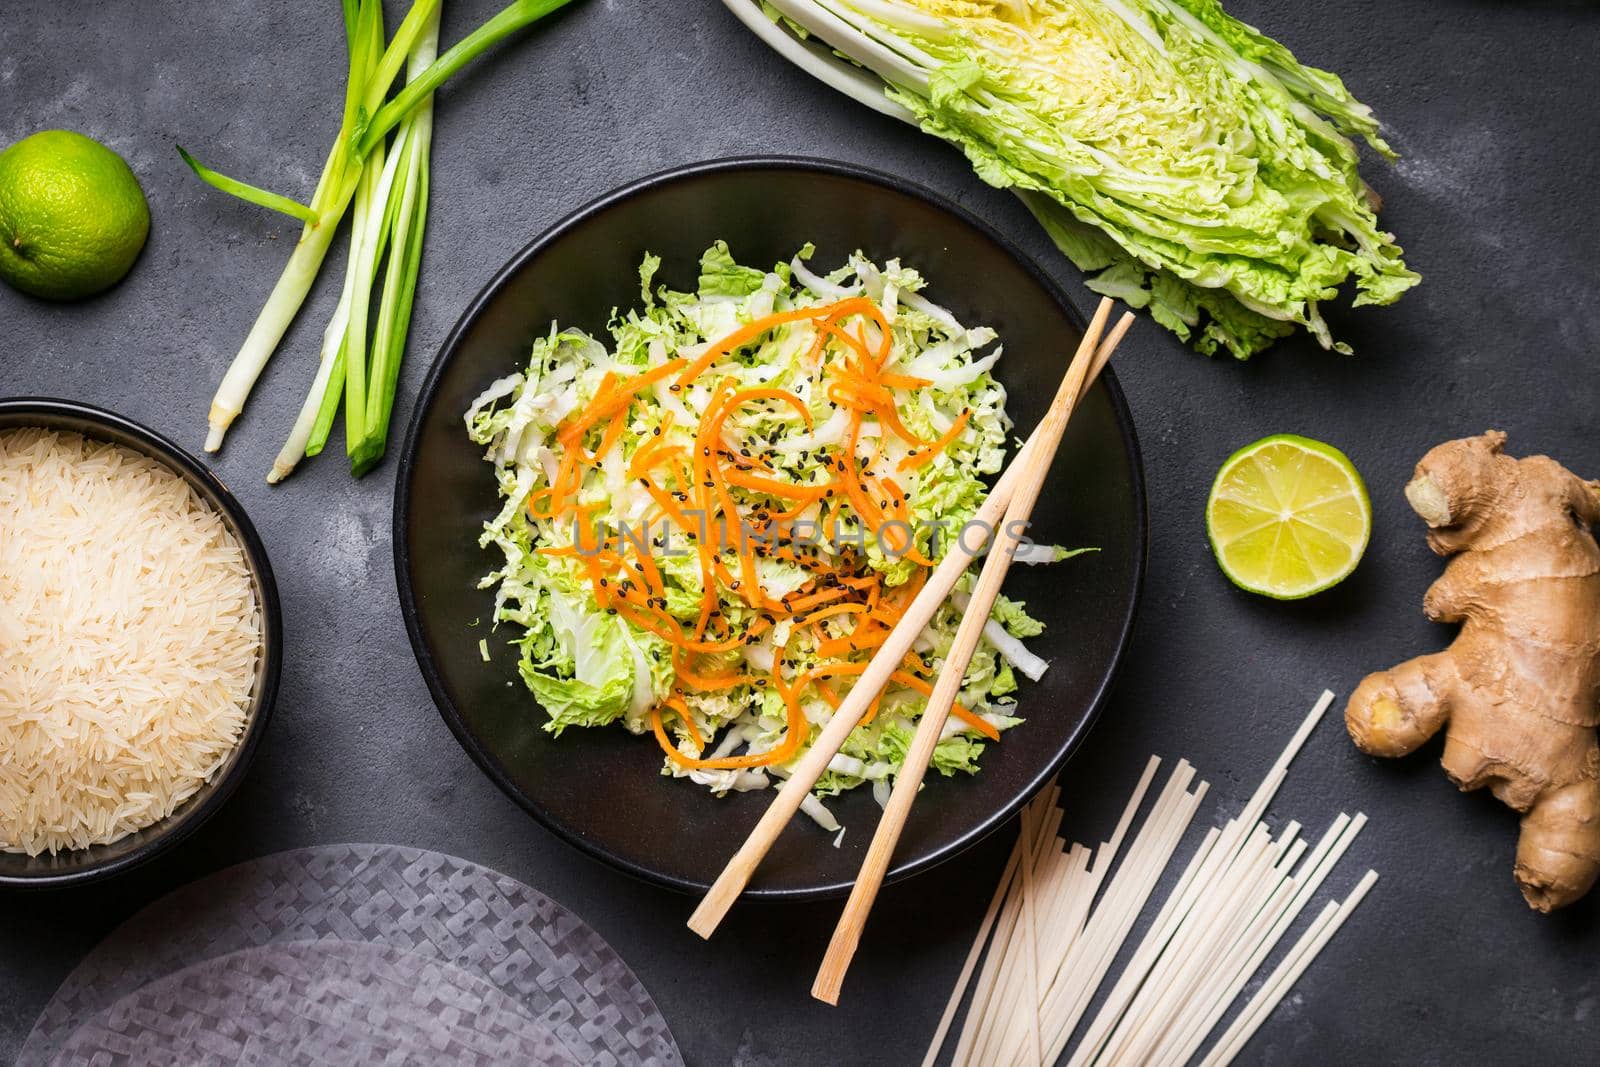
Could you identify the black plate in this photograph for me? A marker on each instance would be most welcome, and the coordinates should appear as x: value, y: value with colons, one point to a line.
x: 602, y: 789
x: 98, y: 861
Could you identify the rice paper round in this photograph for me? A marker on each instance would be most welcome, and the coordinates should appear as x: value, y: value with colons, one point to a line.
x: 338, y: 1003
x: 412, y: 900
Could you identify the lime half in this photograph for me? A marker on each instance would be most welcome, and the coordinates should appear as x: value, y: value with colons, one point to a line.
x: 1288, y: 517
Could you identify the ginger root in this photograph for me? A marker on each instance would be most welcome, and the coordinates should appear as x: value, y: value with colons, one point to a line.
x: 1518, y: 692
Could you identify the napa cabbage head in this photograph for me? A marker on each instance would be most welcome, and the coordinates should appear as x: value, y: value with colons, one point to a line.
x: 1189, y: 160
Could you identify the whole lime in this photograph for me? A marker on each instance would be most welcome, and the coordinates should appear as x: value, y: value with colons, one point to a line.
x: 72, y: 216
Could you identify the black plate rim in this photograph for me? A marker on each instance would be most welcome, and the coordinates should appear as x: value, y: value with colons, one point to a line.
x: 446, y: 354
x: 181, y: 824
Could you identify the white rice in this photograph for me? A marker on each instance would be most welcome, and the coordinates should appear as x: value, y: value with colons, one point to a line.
x: 129, y: 634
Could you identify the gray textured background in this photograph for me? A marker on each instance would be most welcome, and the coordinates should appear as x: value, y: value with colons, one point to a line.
x: 1490, y: 101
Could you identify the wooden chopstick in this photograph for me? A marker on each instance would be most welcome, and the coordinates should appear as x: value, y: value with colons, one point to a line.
x: 1035, y: 463
x: 736, y: 875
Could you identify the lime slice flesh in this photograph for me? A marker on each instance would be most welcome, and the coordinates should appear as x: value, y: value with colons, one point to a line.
x: 1288, y: 517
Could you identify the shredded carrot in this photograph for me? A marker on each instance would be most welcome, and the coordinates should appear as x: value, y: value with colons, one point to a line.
x: 786, y: 749
x: 708, y: 476
x: 608, y: 440
x: 874, y: 314
x: 745, y: 334
x: 858, y: 392
x: 635, y: 606
x: 863, y: 362
x: 851, y: 477
x: 651, y: 575
x: 643, y: 456
x: 668, y: 505
x: 816, y: 617
x: 611, y: 398
x: 774, y: 487
x: 903, y: 594
x: 802, y: 603
x: 827, y: 670
x: 558, y: 485
x: 744, y: 396
x: 823, y: 316
x: 863, y: 637
x: 718, y: 478
x: 889, y: 415
x: 676, y: 703
x: 926, y: 453
x: 921, y: 686
x: 696, y: 485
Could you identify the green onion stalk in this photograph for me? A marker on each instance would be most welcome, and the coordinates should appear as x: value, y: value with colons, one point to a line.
x: 389, y: 216
x: 372, y: 72
x: 387, y: 182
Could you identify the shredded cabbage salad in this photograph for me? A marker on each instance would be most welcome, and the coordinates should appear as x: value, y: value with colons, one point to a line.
x: 711, y: 522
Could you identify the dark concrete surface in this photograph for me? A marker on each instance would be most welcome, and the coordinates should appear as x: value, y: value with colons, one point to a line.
x: 1491, y: 103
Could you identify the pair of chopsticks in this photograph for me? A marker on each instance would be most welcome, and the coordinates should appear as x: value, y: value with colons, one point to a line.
x: 1005, y: 511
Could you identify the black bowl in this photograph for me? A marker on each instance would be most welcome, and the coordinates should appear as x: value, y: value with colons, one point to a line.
x: 602, y: 789
x: 99, y: 861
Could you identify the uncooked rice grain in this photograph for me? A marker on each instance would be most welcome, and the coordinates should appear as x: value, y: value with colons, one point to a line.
x: 129, y: 636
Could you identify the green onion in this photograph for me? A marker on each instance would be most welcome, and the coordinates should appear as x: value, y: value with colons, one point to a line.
x: 513, y: 18
x: 364, y: 31
x: 386, y: 179
x: 406, y: 223
x: 245, y: 191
